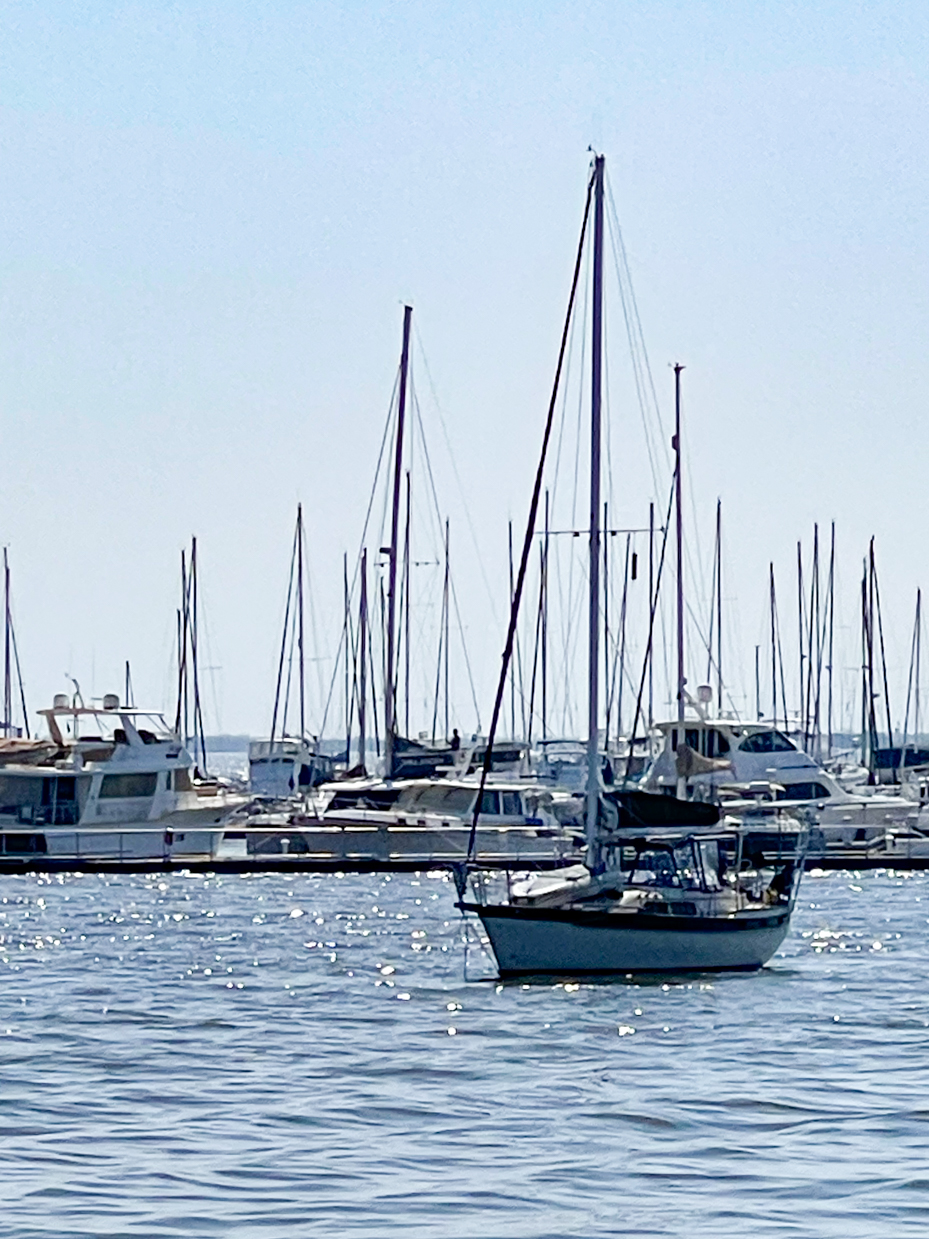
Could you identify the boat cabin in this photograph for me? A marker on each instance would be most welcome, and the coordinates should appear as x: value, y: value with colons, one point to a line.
x: 750, y: 751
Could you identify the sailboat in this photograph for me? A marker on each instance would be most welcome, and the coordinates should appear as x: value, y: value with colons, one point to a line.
x: 666, y: 886
x: 289, y: 765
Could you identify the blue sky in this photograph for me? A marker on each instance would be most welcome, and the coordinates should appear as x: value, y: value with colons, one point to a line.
x: 213, y: 213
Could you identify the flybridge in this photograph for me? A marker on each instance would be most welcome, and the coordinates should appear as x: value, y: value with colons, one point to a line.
x: 110, y: 723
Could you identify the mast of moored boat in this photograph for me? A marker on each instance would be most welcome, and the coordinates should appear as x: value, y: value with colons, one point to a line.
x: 7, y: 664
x: 651, y: 607
x: 681, y: 783
x: 593, y: 747
x: 300, y: 620
x: 389, y: 702
x: 363, y: 661
x: 719, y: 607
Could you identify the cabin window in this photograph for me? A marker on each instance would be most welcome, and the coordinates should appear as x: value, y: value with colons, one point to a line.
x: 182, y: 781
x: 766, y: 742
x: 127, y: 786
x: 490, y: 802
x: 62, y: 788
x: 804, y: 791
x: 716, y: 743
x: 692, y: 738
x: 674, y: 739
x: 511, y: 805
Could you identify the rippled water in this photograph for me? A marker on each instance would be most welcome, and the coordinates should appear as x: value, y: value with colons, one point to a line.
x: 274, y: 1056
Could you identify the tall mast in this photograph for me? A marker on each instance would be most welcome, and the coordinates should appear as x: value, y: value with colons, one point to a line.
x: 757, y: 684
x: 390, y: 726
x: 831, y: 631
x: 406, y: 610
x: 512, y: 660
x: 719, y: 605
x: 183, y: 726
x: 300, y: 619
x: 607, y: 696
x: 348, y: 651
x: 681, y: 783
x: 7, y: 665
x: 651, y: 606
x: 195, y: 655
x: 363, y: 661
x: 593, y: 714
x: 544, y: 601
x: 446, y: 601
x: 919, y: 607
x: 773, y: 606
x: 802, y: 715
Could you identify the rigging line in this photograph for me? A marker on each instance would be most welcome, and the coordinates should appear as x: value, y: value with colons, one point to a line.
x: 535, y: 653
x: 618, y: 640
x: 457, y: 475
x: 464, y: 650
x: 451, y: 578
x: 351, y: 692
x: 880, y: 631
x: 566, y: 612
x: 280, y: 666
x: 566, y: 384
x: 662, y: 436
x: 641, y: 366
x: 310, y: 594
x: 361, y: 543
x: 19, y: 678
x: 19, y: 674
x: 530, y: 529
x: 290, y: 668
x: 709, y: 650
x: 637, y: 377
x: 651, y: 630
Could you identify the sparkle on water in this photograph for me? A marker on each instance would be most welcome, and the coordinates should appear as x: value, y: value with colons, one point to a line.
x: 269, y: 1056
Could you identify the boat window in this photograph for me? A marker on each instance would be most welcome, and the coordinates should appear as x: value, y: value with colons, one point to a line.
x: 692, y: 738
x: 655, y: 869
x: 686, y: 864
x: 511, y: 805
x: 674, y: 739
x: 490, y: 802
x: 182, y: 781
x: 709, y: 855
x: 439, y: 800
x: 18, y: 792
x: 804, y: 791
x: 458, y: 800
x: 716, y: 743
x: 766, y: 742
x: 127, y: 785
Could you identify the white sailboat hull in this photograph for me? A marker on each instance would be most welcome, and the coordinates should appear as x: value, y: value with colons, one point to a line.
x: 561, y: 942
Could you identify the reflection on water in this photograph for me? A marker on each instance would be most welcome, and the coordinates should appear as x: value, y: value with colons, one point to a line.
x: 271, y: 1056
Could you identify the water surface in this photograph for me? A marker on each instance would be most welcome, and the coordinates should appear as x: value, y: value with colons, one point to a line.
x: 273, y: 1056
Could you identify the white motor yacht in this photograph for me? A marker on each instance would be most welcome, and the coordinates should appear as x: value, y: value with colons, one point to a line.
x: 111, y: 783
x: 286, y: 767
x: 742, y: 763
x: 429, y: 820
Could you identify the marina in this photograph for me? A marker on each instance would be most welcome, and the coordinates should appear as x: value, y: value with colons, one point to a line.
x: 464, y: 758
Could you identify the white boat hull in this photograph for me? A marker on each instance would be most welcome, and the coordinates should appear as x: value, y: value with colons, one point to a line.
x: 578, y: 942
